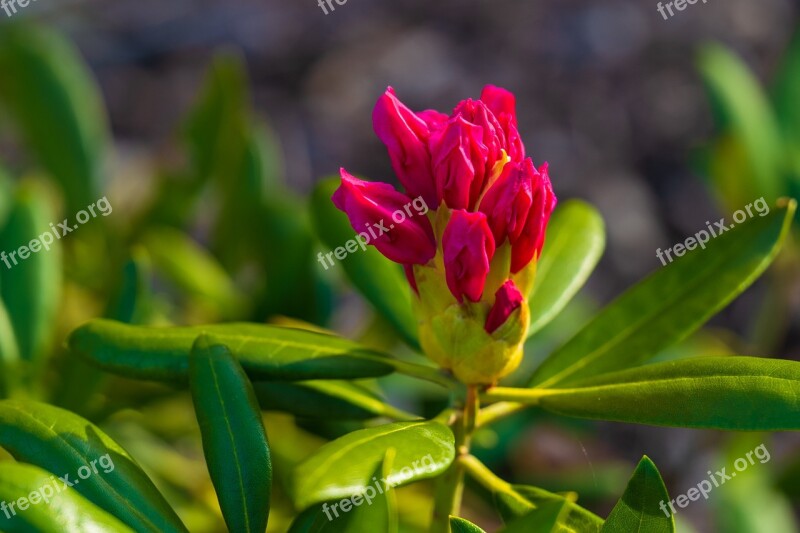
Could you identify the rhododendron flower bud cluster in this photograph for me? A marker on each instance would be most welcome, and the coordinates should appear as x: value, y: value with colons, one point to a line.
x: 471, y: 261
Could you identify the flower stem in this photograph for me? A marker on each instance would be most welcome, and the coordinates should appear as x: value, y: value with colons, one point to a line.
x: 450, y: 487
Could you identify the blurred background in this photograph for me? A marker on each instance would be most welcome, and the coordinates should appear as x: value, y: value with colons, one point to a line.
x: 615, y: 98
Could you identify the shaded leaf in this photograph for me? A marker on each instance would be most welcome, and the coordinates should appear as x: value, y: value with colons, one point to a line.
x: 329, y: 399
x: 31, y: 287
x: 50, y: 506
x: 743, y: 111
x: 545, y: 519
x: 57, y: 105
x: 381, y: 282
x: 63, y: 443
x: 234, y: 442
x: 265, y: 352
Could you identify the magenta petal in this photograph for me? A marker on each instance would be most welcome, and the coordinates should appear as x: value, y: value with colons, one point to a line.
x: 529, y: 243
x: 459, y: 160
x: 405, y: 135
x: 499, y: 100
x: 508, y: 201
x: 507, y: 299
x: 468, y: 248
x: 370, y: 206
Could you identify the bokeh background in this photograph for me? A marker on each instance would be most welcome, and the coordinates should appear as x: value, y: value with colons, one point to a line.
x: 608, y: 93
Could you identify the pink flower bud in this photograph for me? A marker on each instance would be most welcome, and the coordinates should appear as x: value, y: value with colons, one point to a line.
x: 465, y: 153
x: 503, y: 104
x: 507, y: 299
x: 370, y: 206
x: 468, y: 248
x: 529, y: 243
x: 459, y: 162
x: 508, y: 201
x: 406, y: 134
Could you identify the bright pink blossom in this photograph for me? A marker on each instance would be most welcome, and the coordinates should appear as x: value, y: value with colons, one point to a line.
x: 370, y: 206
x: 507, y: 299
x: 468, y: 249
x: 406, y: 134
x: 530, y: 242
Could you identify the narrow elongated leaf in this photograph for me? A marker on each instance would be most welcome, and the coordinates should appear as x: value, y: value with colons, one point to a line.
x: 460, y: 525
x: 192, y: 269
x: 575, y: 241
x: 737, y: 393
x: 785, y: 91
x: 526, y: 498
x: 57, y: 105
x: 345, y: 466
x: 380, y: 281
x: 640, y: 508
x: 9, y: 352
x: 265, y: 352
x: 234, y: 441
x: 545, y: 519
x: 48, y: 505
x: 671, y: 303
x: 743, y: 111
x: 329, y: 399
x: 67, y: 445
x: 30, y: 283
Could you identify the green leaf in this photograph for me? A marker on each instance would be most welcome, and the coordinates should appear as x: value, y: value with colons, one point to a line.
x: 345, y: 466
x: 376, y: 510
x: 575, y: 241
x: 742, y: 110
x: 545, y: 519
x: 265, y: 352
x: 49, y: 506
x: 9, y: 352
x: 639, y: 509
x: 671, y: 303
x: 525, y: 498
x: 214, y: 128
x: 734, y: 393
x: 132, y: 299
x: 192, y: 269
x: 65, y: 444
x: 31, y: 287
x: 381, y: 282
x: 751, y: 504
x: 329, y: 399
x: 459, y: 525
x: 57, y: 105
x: 785, y: 91
x: 234, y: 441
